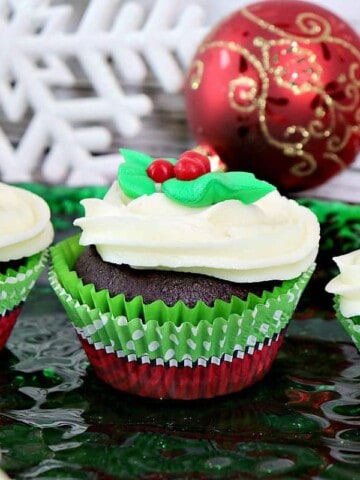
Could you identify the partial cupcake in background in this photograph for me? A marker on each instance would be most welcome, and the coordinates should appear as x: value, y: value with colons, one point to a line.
x: 183, y: 281
x: 346, y: 288
x: 25, y: 233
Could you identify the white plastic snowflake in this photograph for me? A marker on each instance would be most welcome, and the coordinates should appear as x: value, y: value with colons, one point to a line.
x: 47, y: 54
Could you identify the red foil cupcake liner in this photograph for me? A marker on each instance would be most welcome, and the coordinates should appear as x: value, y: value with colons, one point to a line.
x: 183, y: 382
x: 7, y: 322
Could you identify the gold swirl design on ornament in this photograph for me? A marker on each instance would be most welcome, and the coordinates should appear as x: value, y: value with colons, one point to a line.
x: 291, y: 149
x: 357, y: 120
x: 351, y: 91
x: 308, y: 22
x: 335, y: 143
x: 242, y: 93
x: 335, y: 159
x: 300, y: 73
x: 236, y: 48
x: 306, y: 166
x: 348, y: 46
x: 301, y: 80
x: 319, y: 29
x: 196, y: 73
x: 250, y: 95
x: 318, y: 129
x: 354, y: 67
x: 312, y: 24
x: 297, y: 129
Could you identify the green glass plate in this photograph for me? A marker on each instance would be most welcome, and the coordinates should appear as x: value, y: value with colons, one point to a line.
x: 57, y: 420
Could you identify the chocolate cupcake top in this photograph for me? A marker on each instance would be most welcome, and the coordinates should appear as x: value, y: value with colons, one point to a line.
x: 25, y: 226
x: 347, y: 283
x: 184, y: 217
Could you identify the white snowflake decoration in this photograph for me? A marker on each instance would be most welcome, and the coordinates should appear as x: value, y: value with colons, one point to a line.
x: 43, y: 57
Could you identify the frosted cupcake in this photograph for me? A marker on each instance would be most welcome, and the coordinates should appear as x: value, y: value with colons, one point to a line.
x: 346, y: 288
x: 25, y: 233
x: 183, y: 281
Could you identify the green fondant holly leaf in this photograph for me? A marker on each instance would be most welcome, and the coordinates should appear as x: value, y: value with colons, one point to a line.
x: 216, y: 187
x: 132, y: 175
x: 205, y: 190
x: 138, y: 158
x: 134, y: 182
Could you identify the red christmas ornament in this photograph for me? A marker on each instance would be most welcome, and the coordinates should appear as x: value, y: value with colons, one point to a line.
x: 275, y: 90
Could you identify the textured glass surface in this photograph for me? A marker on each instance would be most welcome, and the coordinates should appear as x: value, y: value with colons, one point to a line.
x: 57, y: 420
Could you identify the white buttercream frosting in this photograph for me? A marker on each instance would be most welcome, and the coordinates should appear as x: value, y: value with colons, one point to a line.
x: 347, y: 283
x: 25, y: 226
x: 273, y: 238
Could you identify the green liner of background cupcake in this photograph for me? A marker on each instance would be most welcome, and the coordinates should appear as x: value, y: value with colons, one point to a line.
x: 158, y: 331
x: 345, y: 287
x: 15, y: 285
x: 350, y: 324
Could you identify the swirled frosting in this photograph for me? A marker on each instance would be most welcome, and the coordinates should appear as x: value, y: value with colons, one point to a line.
x: 347, y: 283
x: 25, y: 226
x: 272, y: 238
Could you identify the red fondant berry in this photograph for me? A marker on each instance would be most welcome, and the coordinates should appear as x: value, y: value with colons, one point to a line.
x: 191, y: 165
x: 199, y: 157
x: 160, y: 170
x: 188, y: 169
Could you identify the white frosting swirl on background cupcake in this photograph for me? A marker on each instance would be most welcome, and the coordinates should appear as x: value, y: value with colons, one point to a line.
x: 25, y: 226
x: 273, y: 238
x: 347, y: 283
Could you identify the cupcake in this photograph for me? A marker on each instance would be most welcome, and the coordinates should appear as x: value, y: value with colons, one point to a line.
x: 346, y: 288
x: 182, y: 281
x: 25, y: 233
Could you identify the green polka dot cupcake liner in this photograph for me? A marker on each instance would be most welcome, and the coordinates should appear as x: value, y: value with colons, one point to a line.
x: 15, y: 286
x: 350, y: 324
x: 173, y: 338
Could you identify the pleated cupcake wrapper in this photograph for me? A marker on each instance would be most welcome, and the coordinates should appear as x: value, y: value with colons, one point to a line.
x: 351, y: 325
x: 118, y: 325
x: 15, y: 285
x: 7, y: 323
x: 65, y: 254
x: 187, y: 361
